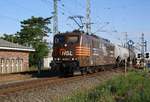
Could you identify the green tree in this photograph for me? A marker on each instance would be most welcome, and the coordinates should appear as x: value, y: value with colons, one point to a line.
x: 32, y: 33
x: 10, y: 37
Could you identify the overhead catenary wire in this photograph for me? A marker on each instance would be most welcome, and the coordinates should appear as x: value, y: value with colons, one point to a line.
x: 46, y: 2
x: 10, y: 18
x: 82, y: 6
x: 65, y: 8
x: 61, y: 9
x: 21, y: 6
x: 77, y: 5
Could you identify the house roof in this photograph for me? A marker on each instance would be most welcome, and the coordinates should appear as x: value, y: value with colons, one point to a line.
x: 5, y: 45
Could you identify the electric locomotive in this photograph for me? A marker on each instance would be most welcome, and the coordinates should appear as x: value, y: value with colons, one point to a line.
x: 77, y: 51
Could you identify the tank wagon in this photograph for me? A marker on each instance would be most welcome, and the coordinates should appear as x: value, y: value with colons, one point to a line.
x: 122, y: 53
x: 77, y: 51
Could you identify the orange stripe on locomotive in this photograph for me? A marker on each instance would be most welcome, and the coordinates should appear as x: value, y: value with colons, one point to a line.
x: 82, y: 51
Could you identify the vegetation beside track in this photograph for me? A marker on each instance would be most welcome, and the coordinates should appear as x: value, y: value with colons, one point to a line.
x: 134, y: 87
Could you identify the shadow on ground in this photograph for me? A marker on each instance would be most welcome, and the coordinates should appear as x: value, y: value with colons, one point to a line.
x: 42, y: 74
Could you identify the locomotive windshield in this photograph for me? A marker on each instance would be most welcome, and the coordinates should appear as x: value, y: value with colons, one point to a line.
x: 66, y: 39
x: 59, y: 39
x: 72, y: 39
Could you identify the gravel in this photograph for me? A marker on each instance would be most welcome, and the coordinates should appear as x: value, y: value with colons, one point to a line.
x: 56, y: 92
x: 13, y: 77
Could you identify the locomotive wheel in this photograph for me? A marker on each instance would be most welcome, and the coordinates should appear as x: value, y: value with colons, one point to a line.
x: 99, y: 69
x: 82, y: 72
x: 93, y: 70
x: 96, y: 69
x: 103, y: 69
x: 89, y: 70
x: 61, y: 73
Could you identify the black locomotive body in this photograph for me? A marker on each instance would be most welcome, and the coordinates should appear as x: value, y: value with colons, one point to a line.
x: 77, y: 51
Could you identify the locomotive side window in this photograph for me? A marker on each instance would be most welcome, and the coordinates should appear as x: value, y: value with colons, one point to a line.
x: 72, y: 39
x: 100, y: 44
x: 95, y: 43
x: 86, y: 42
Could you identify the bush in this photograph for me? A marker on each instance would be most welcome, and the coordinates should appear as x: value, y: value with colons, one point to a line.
x: 135, y: 87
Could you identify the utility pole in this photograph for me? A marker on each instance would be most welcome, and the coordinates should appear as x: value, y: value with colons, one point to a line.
x: 126, y: 39
x: 142, y: 46
x: 130, y: 44
x: 55, y: 17
x: 142, y: 50
x: 88, y: 19
x: 145, y: 46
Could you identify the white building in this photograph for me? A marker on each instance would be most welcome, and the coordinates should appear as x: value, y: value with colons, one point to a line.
x: 47, y: 60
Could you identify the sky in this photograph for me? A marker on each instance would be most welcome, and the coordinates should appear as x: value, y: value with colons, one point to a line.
x: 131, y: 16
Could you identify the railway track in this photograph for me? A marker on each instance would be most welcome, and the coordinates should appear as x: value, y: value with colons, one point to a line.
x: 13, y: 88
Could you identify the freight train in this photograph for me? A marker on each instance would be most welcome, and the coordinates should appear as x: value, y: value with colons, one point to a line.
x: 77, y: 51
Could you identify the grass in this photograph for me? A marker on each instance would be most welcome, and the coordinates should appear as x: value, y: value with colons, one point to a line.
x: 135, y: 87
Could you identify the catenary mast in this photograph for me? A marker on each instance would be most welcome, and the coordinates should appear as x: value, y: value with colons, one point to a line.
x: 55, y: 17
x: 88, y: 19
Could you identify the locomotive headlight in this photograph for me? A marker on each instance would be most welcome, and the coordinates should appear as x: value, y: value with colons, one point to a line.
x: 74, y: 59
x: 57, y: 59
x: 65, y: 45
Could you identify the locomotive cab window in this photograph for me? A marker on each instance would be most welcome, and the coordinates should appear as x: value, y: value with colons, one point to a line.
x: 72, y: 39
x: 66, y: 39
x: 59, y: 39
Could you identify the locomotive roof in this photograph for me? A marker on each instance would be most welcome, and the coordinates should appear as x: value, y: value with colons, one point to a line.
x: 77, y: 32
x: 74, y: 33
